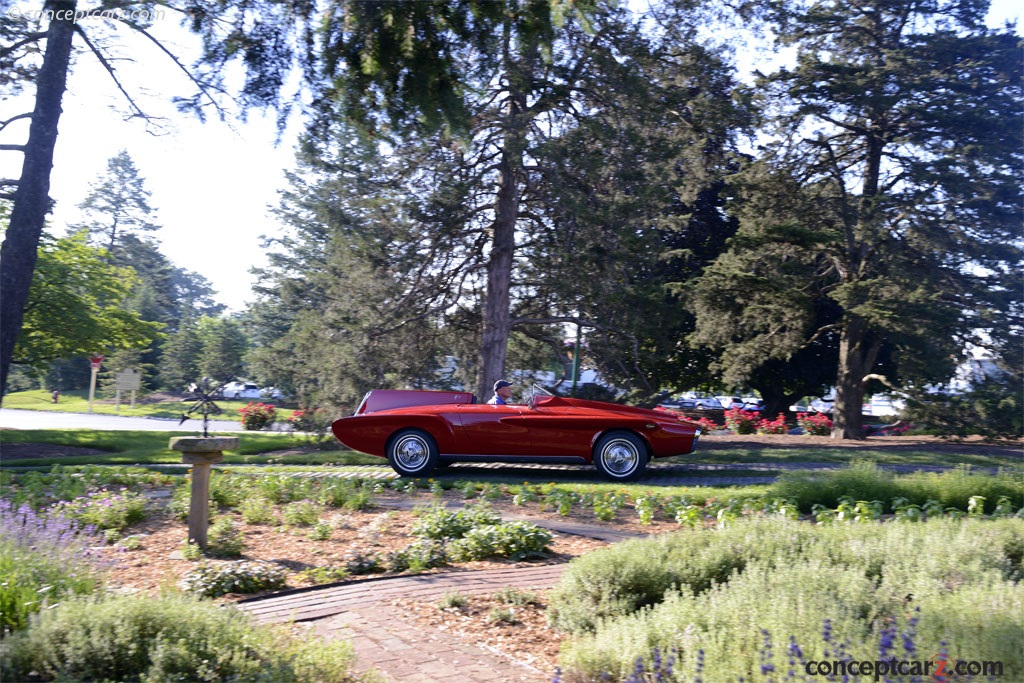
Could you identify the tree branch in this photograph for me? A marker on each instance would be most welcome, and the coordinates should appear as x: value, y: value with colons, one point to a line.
x: 199, y: 84
x: 30, y: 38
x: 110, y: 70
x: 26, y: 115
x: 12, y: 148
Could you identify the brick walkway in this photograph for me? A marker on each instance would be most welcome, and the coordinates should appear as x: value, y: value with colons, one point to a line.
x: 385, y: 640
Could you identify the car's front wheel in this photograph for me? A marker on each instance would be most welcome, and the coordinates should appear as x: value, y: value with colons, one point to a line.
x: 412, y: 453
x: 620, y: 456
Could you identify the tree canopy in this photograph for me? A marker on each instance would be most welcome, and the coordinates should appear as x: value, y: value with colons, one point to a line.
x: 884, y: 214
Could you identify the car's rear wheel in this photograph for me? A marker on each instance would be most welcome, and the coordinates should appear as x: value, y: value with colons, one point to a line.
x: 412, y: 453
x: 620, y: 456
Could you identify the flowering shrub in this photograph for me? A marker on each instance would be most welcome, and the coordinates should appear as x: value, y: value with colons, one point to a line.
x: 215, y: 579
x: 310, y: 420
x: 815, y: 424
x: 742, y: 421
x: 256, y: 416
x: 706, y: 424
x: 43, y: 560
x: 776, y: 426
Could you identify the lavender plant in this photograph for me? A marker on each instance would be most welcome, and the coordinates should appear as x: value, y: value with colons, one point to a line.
x: 42, y: 560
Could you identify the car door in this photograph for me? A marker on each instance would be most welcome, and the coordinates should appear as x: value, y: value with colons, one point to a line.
x: 486, y: 429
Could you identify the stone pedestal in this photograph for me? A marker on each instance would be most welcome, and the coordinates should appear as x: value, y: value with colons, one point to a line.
x: 201, y: 453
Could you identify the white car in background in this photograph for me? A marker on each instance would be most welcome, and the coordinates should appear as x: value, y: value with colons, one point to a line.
x: 708, y: 403
x: 730, y: 402
x: 240, y: 390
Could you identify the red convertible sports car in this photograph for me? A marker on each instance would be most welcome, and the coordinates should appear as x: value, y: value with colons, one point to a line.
x: 420, y: 430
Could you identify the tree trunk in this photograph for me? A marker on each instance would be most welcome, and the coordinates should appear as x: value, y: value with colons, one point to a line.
x: 32, y: 197
x: 857, y: 355
x: 496, y: 321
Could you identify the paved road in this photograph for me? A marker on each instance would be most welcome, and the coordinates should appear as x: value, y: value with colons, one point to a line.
x: 41, y: 419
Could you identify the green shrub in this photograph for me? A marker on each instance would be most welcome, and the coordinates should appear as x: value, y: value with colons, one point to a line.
x: 515, y: 596
x: 418, y: 556
x: 167, y: 638
x: 948, y: 580
x: 516, y: 540
x: 302, y: 513
x: 866, y: 481
x: 452, y: 600
x: 344, y: 494
x: 257, y: 510
x: 321, y: 531
x: 224, y: 539
x: 436, y: 522
x: 104, y: 509
x: 43, y: 560
x: 219, y: 578
x: 283, y: 488
x: 229, y: 490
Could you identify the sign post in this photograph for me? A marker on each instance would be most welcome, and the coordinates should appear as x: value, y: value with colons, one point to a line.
x: 94, y: 364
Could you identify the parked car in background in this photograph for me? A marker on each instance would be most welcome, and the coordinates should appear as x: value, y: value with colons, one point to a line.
x: 678, y: 403
x: 820, y: 405
x: 729, y: 402
x: 709, y: 403
x: 754, y: 404
x: 272, y: 393
x: 240, y: 390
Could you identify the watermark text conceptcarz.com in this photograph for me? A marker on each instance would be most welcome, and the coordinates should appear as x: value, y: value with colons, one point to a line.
x: 938, y: 668
x: 76, y: 15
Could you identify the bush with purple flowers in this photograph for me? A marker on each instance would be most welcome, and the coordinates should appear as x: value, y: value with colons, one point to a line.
x: 752, y: 596
x: 43, y: 559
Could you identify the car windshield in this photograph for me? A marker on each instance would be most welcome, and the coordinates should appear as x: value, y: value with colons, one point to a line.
x: 537, y: 392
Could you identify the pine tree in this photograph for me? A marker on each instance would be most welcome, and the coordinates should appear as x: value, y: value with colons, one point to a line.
x: 891, y: 193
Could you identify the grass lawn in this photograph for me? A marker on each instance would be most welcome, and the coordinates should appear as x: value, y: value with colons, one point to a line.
x: 151, y: 448
x: 78, y: 402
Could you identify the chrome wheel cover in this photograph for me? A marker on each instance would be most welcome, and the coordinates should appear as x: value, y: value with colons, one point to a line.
x: 620, y: 457
x: 411, y: 452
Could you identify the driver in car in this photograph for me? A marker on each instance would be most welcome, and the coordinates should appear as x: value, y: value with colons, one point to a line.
x: 502, y: 393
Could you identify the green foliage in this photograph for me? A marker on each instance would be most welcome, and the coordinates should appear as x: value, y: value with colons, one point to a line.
x: 516, y: 540
x: 43, y: 560
x: 321, y: 531
x: 224, y: 538
x: 830, y: 248
x: 437, y: 522
x: 104, y: 509
x: 167, y: 638
x: 452, y: 600
x: 213, y: 579
x: 502, y: 615
x: 301, y: 513
x: 78, y: 303
x: 515, y: 596
x: 784, y: 578
x: 257, y: 510
x: 224, y: 344
x: 418, y: 556
x: 866, y: 481
x: 992, y: 409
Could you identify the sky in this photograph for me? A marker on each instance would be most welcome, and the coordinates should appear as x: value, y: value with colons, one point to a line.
x: 212, y: 184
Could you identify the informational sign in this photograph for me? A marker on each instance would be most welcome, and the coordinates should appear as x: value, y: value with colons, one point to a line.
x: 128, y: 380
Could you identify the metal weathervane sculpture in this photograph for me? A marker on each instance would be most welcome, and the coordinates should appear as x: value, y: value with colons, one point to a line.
x: 202, y: 396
